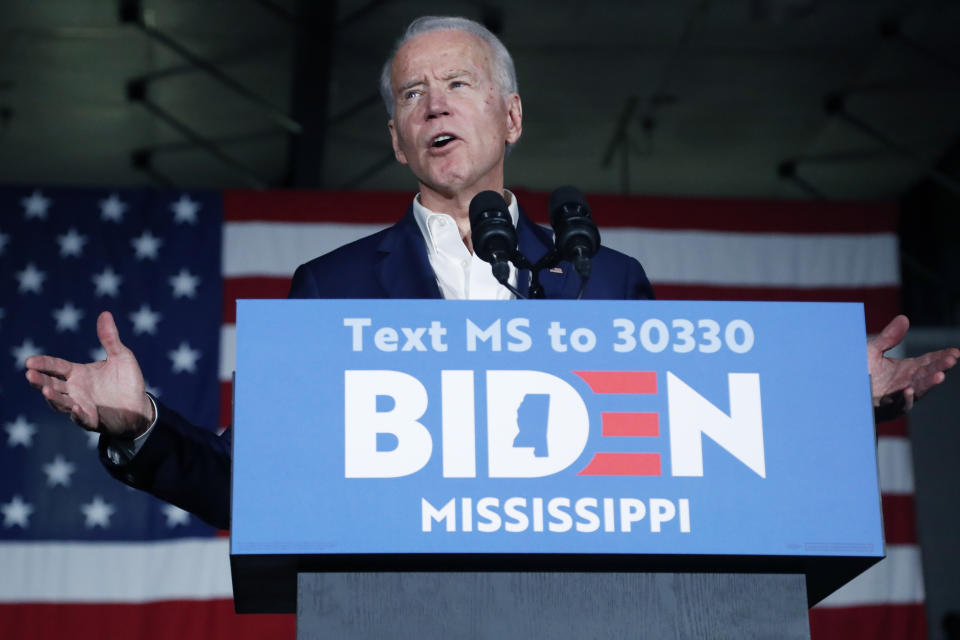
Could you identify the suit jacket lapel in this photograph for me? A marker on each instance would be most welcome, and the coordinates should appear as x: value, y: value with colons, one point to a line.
x: 403, y: 269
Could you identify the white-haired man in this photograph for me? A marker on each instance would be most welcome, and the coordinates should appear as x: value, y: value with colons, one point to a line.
x: 451, y: 93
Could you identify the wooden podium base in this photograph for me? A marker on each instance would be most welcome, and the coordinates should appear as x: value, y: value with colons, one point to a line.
x: 527, y: 606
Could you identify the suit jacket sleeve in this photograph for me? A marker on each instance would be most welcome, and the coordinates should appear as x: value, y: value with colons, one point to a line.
x: 182, y: 464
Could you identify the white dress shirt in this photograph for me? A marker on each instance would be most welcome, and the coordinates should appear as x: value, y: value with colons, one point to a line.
x: 461, y: 275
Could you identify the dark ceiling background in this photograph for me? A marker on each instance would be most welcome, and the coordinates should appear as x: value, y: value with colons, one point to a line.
x: 838, y: 99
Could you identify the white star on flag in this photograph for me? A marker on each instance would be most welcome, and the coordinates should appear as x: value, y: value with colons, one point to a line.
x: 67, y: 317
x: 184, y: 358
x: 16, y: 513
x: 146, y: 245
x: 35, y: 206
x: 97, y: 513
x: 4, y: 238
x: 107, y: 282
x: 145, y: 320
x: 175, y: 516
x: 185, y: 210
x: 71, y: 243
x: 31, y: 279
x: 59, y: 472
x: 184, y: 284
x: 112, y: 208
x: 20, y: 432
x: 98, y: 354
x: 24, y: 351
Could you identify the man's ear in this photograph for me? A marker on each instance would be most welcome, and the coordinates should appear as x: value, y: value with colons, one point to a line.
x: 514, y: 118
x: 397, y: 153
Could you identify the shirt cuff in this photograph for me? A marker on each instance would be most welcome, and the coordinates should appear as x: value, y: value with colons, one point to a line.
x: 121, y: 451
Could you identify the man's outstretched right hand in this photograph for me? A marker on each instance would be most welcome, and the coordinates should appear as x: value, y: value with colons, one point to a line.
x: 107, y: 396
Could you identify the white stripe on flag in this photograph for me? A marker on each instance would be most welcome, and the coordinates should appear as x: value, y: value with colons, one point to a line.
x: 97, y: 572
x: 678, y: 257
x: 895, y: 461
x: 760, y: 259
x: 228, y: 352
x: 278, y: 248
x: 897, y: 579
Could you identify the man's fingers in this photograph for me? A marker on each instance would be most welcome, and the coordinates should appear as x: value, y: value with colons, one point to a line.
x: 909, y: 397
x: 892, y: 334
x: 109, y: 335
x: 937, y: 362
x: 50, y: 365
x: 35, y: 378
x: 58, y: 401
x: 39, y: 380
x: 923, y: 385
x: 58, y: 386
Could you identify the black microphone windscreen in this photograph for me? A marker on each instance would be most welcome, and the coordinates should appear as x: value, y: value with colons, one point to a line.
x: 575, y: 233
x: 492, y: 232
x: 486, y: 201
x: 566, y: 195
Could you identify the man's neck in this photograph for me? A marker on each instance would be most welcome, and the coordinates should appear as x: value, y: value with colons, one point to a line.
x: 456, y: 206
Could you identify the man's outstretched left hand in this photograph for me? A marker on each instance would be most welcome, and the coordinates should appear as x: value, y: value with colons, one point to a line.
x: 897, y: 383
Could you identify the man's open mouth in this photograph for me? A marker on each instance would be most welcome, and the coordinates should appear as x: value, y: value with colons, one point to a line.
x: 442, y: 140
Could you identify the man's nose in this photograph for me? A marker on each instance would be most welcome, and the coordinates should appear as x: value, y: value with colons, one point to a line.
x: 437, y: 105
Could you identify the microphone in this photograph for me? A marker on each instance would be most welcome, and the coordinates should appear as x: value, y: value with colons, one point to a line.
x: 492, y: 231
x: 575, y: 232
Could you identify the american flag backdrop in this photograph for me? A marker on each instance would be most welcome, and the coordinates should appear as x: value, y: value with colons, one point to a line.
x: 82, y: 556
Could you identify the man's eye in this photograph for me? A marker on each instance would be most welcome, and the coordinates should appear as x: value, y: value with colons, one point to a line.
x: 457, y: 84
x: 411, y: 94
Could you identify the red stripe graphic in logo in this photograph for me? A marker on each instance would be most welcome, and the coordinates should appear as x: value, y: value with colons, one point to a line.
x: 624, y: 424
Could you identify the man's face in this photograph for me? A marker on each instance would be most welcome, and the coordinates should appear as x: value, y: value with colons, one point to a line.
x: 451, y: 122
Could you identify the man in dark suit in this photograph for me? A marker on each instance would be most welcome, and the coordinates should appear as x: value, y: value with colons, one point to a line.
x: 394, y: 264
x: 450, y: 90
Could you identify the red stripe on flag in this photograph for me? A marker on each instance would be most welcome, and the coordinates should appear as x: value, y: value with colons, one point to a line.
x: 226, y: 404
x: 251, y: 287
x: 898, y: 427
x: 900, y: 621
x: 713, y: 214
x: 721, y: 214
x: 623, y: 464
x: 184, y: 620
x: 899, y: 518
x: 620, y: 381
x: 366, y: 207
x: 630, y: 424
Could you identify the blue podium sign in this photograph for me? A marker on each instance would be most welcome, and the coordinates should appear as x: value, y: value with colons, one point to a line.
x: 366, y: 431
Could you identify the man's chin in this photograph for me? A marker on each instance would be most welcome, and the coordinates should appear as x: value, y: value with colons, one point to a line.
x: 453, y: 185
x: 446, y: 186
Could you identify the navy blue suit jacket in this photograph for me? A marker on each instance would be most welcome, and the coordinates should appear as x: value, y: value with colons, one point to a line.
x: 190, y: 466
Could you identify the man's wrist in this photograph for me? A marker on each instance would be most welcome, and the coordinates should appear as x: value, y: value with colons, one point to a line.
x: 149, y: 415
x: 890, y: 406
x: 122, y: 450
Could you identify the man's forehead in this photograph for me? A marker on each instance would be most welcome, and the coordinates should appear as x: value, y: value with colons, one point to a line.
x: 463, y: 53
